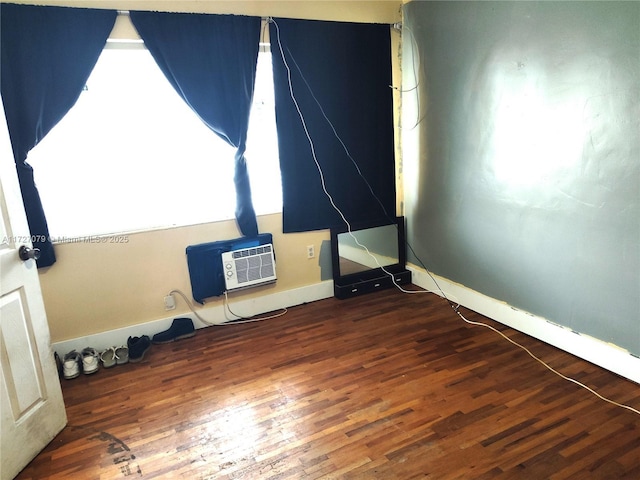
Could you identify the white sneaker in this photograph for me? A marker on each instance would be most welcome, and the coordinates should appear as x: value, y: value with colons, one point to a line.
x: 71, y: 365
x: 90, y: 360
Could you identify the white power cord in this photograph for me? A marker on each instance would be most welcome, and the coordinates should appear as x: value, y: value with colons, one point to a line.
x: 569, y: 379
x: 229, y: 321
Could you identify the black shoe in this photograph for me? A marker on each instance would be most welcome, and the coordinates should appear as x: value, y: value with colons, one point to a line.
x: 58, y: 364
x: 138, y: 346
x: 180, y: 328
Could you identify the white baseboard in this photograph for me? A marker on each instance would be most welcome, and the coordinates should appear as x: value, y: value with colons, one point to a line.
x: 605, y: 355
x: 214, y: 315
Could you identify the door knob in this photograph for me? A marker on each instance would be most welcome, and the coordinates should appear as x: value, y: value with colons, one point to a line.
x: 27, y: 253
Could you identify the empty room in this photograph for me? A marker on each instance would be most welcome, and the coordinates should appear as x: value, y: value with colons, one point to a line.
x: 320, y: 239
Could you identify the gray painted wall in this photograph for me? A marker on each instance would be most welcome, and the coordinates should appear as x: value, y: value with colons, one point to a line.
x: 525, y: 184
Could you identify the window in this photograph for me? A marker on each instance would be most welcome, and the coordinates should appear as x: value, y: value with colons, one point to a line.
x: 131, y: 155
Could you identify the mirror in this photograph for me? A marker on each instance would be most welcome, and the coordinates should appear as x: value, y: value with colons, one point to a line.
x: 381, y: 243
x: 356, y: 270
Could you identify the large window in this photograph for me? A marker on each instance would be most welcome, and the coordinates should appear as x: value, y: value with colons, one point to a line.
x: 131, y: 155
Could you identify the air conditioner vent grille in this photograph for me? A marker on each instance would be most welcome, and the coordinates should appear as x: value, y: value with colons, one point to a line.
x: 249, y: 267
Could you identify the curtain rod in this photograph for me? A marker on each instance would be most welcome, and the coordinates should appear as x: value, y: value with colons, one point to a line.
x: 125, y: 13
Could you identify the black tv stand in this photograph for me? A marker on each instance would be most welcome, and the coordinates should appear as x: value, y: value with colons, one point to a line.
x: 354, y: 287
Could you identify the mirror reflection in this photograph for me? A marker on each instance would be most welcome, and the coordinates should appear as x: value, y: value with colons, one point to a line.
x: 382, y: 243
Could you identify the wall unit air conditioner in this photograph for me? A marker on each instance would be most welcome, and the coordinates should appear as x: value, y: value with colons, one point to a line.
x: 249, y: 267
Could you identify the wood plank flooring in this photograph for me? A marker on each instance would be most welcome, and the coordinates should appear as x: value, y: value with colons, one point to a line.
x: 384, y: 386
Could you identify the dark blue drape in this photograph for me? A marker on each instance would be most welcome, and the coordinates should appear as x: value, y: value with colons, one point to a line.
x: 47, y: 54
x: 211, y: 62
x: 347, y: 67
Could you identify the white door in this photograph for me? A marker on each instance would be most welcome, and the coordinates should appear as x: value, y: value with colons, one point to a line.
x: 31, y: 404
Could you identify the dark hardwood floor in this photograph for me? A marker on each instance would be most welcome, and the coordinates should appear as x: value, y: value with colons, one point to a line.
x: 384, y: 386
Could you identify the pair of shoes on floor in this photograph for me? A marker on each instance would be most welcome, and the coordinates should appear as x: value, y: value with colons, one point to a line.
x: 89, y: 360
x: 86, y: 362
x: 114, y: 356
x: 180, y: 328
x: 138, y: 346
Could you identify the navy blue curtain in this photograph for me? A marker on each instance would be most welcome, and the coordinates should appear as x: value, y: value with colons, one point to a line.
x: 47, y: 54
x: 211, y: 62
x: 347, y: 68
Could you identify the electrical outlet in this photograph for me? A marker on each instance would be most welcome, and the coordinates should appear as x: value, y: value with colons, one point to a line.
x: 169, y: 302
x: 311, y: 252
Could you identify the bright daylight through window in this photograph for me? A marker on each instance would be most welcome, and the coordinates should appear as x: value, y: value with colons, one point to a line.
x: 131, y: 155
